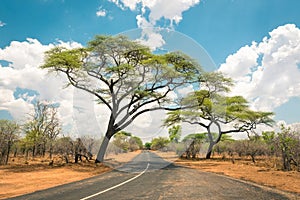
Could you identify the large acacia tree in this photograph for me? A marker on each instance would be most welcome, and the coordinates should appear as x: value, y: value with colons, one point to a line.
x: 210, y: 107
x: 125, y: 76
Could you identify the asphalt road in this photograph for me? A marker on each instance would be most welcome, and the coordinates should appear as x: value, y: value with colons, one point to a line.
x: 148, y: 176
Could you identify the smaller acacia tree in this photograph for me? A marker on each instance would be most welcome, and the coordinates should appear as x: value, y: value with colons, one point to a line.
x: 209, y: 107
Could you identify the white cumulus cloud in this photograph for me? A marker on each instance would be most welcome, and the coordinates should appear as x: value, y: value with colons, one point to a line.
x: 101, y: 12
x: 24, y: 73
x: 2, y: 24
x: 158, y: 9
x: 150, y: 14
x: 267, y: 73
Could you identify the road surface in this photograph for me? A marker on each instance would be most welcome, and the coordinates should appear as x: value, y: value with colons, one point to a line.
x: 148, y: 176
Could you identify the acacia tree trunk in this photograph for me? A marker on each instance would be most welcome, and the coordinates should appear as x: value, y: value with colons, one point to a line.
x: 33, y: 150
x: 102, y: 150
x: 44, y: 148
x: 286, y: 162
x: 253, y: 157
x: 8, y: 152
x: 212, y: 142
x: 26, y: 153
x: 209, y: 151
x: 109, y: 133
x: 50, y: 150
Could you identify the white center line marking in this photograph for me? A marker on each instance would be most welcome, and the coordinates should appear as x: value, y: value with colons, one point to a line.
x: 116, y: 186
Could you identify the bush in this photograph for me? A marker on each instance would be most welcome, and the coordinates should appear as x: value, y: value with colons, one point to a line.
x: 287, y: 144
x: 159, y: 143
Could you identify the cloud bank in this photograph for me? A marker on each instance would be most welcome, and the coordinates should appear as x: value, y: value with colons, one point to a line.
x: 267, y: 73
x: 22, y: 75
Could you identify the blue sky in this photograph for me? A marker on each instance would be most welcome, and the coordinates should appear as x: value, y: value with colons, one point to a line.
x: 231, y: 31
x: 220, y: 26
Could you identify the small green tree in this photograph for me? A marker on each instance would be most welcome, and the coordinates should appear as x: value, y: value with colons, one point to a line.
x: 268, y: 137
x: 175, y: 133
x: 148, y: 145
x: 159, y: 143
